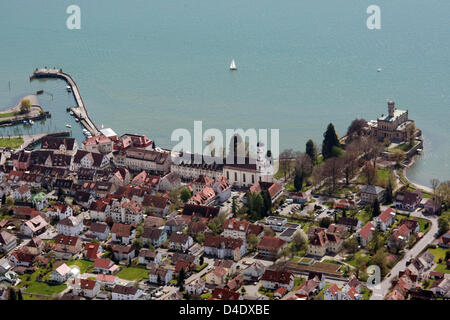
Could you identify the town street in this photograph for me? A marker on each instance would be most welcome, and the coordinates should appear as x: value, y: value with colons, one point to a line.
x: 380, y: 290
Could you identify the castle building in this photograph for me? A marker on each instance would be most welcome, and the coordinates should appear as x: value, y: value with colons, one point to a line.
x: 393, y: 125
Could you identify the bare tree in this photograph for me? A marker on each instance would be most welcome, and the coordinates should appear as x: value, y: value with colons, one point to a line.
x: 332, y: 169
x: 285, y: 160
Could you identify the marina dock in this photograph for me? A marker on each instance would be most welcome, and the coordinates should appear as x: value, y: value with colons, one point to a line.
x: 80, y: 110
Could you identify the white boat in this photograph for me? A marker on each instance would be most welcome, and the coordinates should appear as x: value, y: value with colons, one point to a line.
x: 68, y: 126
x: 379, y: 69
x: 31, y: 121
x: 233, y: 65
x: 69, y: 88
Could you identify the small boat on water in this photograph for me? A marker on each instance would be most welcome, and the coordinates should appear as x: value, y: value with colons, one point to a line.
x: 233, y: 65
x: 69, y: 88
x: 31, y: 121
x: 77, y: 120
x: 71, y: 113
x: 68, y: 126
x: 379, y: 69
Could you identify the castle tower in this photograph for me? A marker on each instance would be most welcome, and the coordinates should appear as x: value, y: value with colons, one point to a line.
x: 391, y: 108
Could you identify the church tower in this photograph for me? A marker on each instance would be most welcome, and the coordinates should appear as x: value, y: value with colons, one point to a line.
x: 264, y: 166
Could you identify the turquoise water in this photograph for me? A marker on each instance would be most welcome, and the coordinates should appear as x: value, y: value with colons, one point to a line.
x: 153, y: 66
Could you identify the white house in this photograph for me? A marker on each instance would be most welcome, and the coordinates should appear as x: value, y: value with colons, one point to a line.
x: 120, y: 292
x: 34, y: 226
x: 70, y: 226
x: 254, y: 272
x: 7, y: 241
x: 86, y: 287
x: 61, y: 274
x: 274, y: 279
x: 195, y: 287
x: 180, y: 241
x: 385, y: 219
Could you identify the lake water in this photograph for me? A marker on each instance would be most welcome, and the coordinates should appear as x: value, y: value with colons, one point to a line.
x: 152, y: 66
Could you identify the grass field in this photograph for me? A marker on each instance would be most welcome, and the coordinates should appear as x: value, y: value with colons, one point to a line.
x: 45, y: 288
x: 133, y: 273
x: 7, y: 114
x: 82, y: 264
x: 439, y: 253
x: 12, y: 143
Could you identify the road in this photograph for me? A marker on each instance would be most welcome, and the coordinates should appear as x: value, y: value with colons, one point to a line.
x: 380, y: 290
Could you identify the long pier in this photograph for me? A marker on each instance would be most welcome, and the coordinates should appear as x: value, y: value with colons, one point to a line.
x: 80, y: 111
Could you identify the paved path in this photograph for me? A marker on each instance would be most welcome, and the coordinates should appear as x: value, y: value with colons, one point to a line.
x: 380, y: 290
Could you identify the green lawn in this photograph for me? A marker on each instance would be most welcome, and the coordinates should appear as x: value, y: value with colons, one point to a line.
x: 439, y: 253
x: 403, y: 147
x: 366, y: 293
x: 364, y: 216
x: 45, y: 288
x: 200, y: 268
x: 133, y: 273
x: 7, y: 114
x: 12, y: 143
x: 321, y: 293
x: 81, y: 263
x: 298, y: 282
x: 358, y: 255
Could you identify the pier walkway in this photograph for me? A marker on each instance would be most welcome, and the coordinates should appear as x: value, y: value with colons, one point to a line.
x: 80, y: 111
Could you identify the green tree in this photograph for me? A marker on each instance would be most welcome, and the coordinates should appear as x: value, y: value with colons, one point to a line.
x: 351, y: 245
x: 325, y: 222
x: 25, y: 106
x: 201, y: 260
x: 252, y: 241
x: 311, y: 151
x: 330, y: 141
x: 19, y: 295
x: 376, y: 208
x: 443, y: 224
x: 181, y: 277
x: 298, y: 180
x: 234, y: 208
x: 12, y: 294
x: 185, y: 195
x: 9, y: 202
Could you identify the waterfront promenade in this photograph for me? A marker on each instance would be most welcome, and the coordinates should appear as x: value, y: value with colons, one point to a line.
x: 80, y: 111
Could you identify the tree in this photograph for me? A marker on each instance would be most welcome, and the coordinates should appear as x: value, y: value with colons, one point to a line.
x: 4, y: 199
x: 330, y: 140
x: 252, y: 241
x: 299, y: 242
x: 9, y: 202
x: 376, y: 208
x: 298, y: 181
x: 181, y: 277
x: 201, y: 260
x: 311, y: 151
x: 12, y: 294
x: 397, y: 156
x: 435, y: 184
x: 234, y: 207
x: 369, y: 173
x: 25, y: 106
x: 443, y: 224
x: 411, y: 134
x: 332, y: 169
x: 350, y: 162
x: 325, y: 222
x: 285, y: 161
x: 19, y: 295
x: 185, y: 195
x: 389, y: 193
x: 356, y: 128
x: 351, y: 245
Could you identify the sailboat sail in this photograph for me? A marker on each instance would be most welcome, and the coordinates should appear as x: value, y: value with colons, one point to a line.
x: 233, y: 65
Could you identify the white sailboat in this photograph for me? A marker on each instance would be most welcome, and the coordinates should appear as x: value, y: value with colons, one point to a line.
x: 233, y: 65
